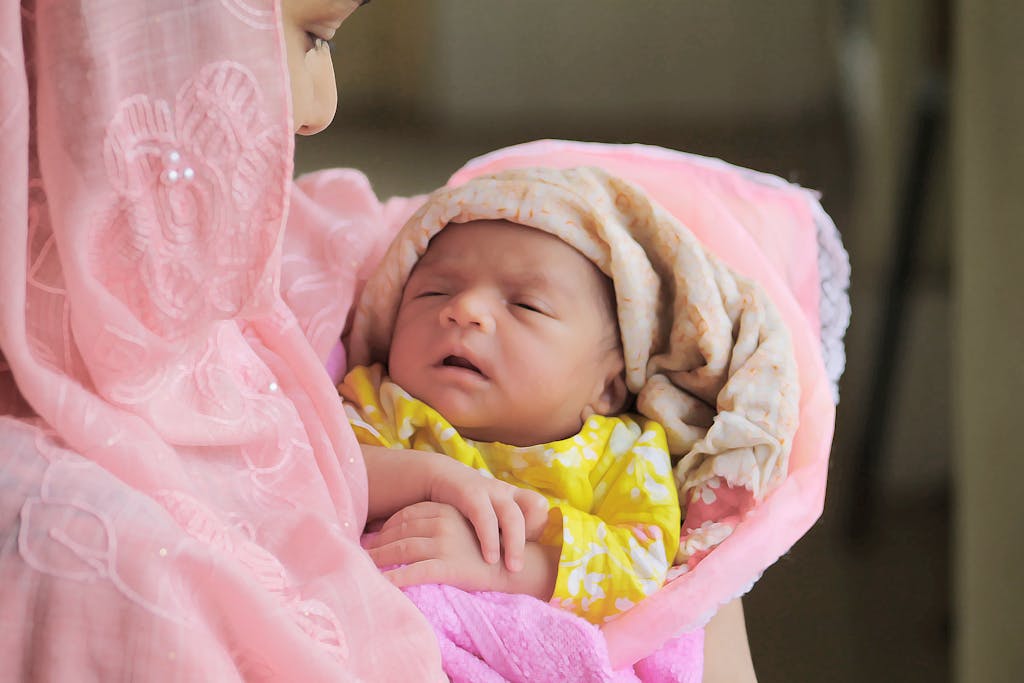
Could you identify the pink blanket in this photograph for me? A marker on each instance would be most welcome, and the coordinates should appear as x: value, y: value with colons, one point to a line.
x: 495, y: 637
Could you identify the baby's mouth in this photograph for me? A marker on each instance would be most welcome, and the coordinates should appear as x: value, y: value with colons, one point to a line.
x: 460, y: 362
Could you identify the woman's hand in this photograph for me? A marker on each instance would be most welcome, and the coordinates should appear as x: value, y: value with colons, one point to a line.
x: 433, y: 543
x: 503, y: 516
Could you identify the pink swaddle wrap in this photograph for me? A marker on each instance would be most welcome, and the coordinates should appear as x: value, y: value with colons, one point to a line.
x: 180, y: 496
x: 496, y: 637
x: 777, y: 235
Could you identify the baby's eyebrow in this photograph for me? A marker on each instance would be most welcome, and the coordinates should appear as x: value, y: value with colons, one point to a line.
x: 434, y: 266
x: 435, y: 274
x: 533, y: 280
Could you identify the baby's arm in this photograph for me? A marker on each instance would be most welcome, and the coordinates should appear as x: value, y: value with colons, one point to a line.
x: 595, y: 564
x: 434, y: 543
x: 399, y: 478
x: 619, y: 552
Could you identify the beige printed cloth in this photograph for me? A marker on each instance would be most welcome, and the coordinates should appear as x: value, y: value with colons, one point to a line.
x: 706, y: 352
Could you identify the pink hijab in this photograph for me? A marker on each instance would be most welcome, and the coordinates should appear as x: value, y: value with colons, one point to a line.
x: 181, y: 498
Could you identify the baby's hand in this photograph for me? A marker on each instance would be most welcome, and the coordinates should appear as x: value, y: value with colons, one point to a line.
x: 434, y: 543
x: 490, y: 506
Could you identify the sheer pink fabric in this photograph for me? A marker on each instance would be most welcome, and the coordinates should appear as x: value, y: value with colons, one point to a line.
x: 180, y: 497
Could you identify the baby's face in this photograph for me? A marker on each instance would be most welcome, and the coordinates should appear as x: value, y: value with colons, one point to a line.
x: 508, y: 332
x: 308, y: 25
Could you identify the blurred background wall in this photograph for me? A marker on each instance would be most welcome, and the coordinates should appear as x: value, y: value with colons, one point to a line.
x: 914, y: 571
x: 468, y: 62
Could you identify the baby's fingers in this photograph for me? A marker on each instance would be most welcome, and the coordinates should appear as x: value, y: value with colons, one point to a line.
x: 403, y: 551
x: 481, y: 514
x: 535, y: 510
x: 397, y: 530
x: 513, y: 532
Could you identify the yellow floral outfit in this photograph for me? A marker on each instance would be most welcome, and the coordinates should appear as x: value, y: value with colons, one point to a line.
x: 615, y: 509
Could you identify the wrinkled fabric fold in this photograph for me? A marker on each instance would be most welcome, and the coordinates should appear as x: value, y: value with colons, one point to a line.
x: 501, y: 637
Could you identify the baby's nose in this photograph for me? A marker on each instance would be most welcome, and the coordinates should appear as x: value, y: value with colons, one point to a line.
x: 469, y: 309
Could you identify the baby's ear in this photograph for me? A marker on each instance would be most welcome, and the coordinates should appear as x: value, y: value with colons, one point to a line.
x: 614, y: 396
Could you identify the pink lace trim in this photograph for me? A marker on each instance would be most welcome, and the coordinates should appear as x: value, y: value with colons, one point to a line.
x: 834, y: 305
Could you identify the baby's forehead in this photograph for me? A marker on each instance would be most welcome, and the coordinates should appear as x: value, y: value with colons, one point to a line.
x: 486, y: 236
x: 521, y: 256
x: 528, y: 253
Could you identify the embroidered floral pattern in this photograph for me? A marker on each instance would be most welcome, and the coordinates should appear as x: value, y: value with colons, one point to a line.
x: 257, y: 17
x: 342, y: 252
x: 67, y: 536
x: 193, y: 225
x: 47, y: 314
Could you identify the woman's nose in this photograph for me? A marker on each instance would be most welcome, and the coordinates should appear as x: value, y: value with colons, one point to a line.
x: 470, y: 310
x: 319, y: 109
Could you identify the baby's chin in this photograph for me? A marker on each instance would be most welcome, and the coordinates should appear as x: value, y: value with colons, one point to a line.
x: 513, y: 436
x: 464, y: 411
x: 473, y: 428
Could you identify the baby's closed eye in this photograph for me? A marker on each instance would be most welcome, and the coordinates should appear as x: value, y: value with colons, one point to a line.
x: 533, y: 304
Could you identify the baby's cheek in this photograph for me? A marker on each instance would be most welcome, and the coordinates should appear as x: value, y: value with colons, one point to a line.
x: 552, y: 384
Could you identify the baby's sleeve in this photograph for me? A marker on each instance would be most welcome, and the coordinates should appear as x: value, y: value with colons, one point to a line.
x: 360, y: 393
x: 619, y: 552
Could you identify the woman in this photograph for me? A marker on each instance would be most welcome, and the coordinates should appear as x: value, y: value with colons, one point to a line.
x: 172, y: 444
x: 180, y: 497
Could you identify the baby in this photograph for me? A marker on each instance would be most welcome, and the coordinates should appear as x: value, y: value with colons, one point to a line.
x: 562, y: 334
x: 506, y: 356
